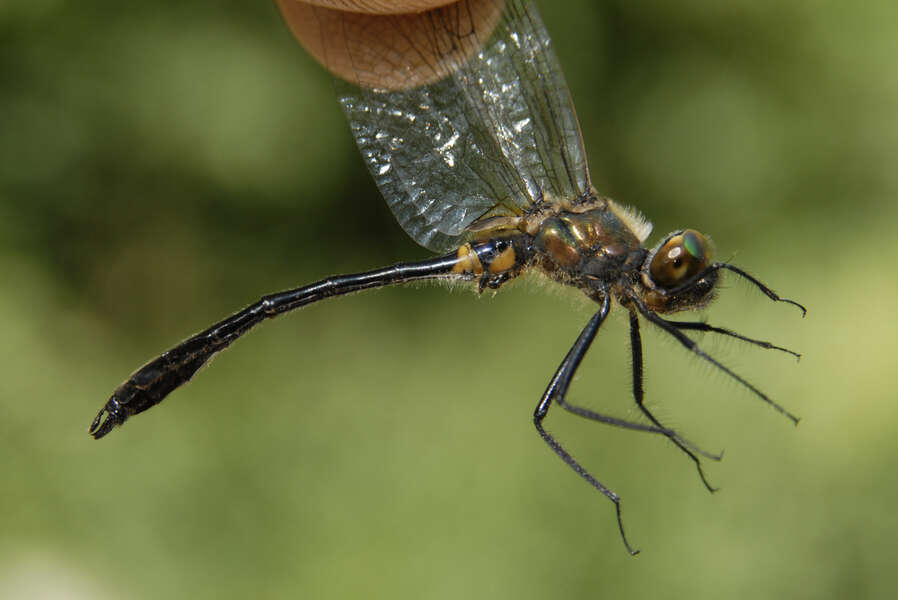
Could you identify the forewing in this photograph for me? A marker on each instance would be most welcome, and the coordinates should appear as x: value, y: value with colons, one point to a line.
x: 458, y: 115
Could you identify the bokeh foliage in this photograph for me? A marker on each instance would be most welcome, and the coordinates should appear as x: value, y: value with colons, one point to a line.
x: 163, y: 163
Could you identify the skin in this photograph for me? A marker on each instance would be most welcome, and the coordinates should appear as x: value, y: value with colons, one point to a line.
x: 377, y: 6
x: 383, y: 44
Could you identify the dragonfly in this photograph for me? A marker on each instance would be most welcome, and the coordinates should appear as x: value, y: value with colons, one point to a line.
x: 464, y: 119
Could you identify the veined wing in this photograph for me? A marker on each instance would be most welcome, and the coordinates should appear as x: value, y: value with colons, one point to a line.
x: 461, y: 113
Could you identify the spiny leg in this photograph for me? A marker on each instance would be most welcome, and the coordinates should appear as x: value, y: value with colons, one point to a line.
x: 701, y: 326
x: 572, y: 463
x: 757, y: 283
x: 692, y: 346
x: 557, y: 389
x: 639, y: 396
x: 766, y: 290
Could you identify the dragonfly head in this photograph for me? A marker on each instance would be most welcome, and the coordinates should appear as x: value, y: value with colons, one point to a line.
x: 676, y: 274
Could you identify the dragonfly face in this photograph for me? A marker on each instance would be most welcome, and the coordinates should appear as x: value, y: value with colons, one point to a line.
x: 675, y: 274
x: 464, y: 119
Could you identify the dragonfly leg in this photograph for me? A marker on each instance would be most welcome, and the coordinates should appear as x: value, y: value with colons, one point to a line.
x: 704, y: 327
x: 557, y: 389
x: 493, y: 282
x: 672, y: 329
x: 592, y: 415
x: 690, y: 449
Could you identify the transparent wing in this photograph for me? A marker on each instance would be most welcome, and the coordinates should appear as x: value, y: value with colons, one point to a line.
x: 461, y: 113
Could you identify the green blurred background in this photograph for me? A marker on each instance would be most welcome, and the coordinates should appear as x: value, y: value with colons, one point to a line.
x: 164, y: 163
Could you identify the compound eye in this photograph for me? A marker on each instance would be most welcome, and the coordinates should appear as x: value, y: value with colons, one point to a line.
x: 682, y: 257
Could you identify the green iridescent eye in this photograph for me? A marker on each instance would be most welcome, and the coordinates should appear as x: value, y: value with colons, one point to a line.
x: 682, y: 257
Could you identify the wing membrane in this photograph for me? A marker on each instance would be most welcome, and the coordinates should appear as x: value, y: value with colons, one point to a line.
x: 491, y: 130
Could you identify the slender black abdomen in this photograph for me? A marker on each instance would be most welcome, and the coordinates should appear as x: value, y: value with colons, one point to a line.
x: 490, y: 262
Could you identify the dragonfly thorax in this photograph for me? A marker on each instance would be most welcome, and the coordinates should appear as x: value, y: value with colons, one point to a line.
x: 594, y: 248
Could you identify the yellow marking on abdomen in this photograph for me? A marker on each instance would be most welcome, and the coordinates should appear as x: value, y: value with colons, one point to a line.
x: 468, y: 261
x: 504, y: 262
